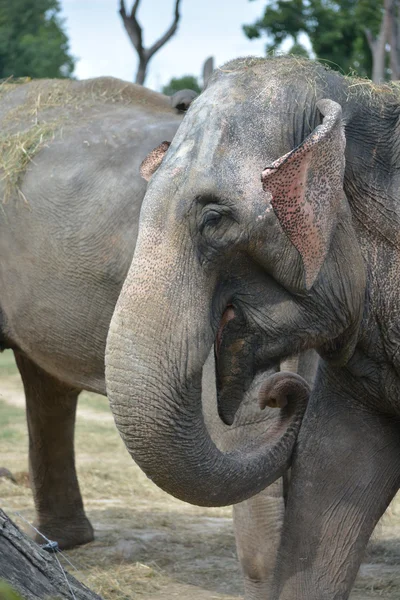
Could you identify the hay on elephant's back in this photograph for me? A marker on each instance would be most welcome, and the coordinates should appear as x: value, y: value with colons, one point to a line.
x: 17, y: 151
x: 44, y: 107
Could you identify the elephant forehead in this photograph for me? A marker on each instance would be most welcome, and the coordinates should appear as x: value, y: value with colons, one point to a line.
x: 204, y: 132
x: 233, y: 128
x: 228, y: 136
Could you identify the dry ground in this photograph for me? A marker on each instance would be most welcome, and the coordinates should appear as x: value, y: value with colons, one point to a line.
x: 149, y: 545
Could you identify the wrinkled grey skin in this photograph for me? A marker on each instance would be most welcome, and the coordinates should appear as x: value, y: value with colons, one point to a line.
x: 66, y: 243
x: 257, y: 521
x: 308, y: 257
x: 65, y: 248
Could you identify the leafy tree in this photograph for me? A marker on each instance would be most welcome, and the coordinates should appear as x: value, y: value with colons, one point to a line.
x: 299, y: 50
x: 187, y: 82
x: 336, y: 28
x: 32, y: 40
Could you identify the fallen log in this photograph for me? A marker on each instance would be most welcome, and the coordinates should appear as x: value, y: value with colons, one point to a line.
x: 32, y: 571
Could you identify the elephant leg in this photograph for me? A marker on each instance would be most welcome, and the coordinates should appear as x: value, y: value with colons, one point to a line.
x: 258, y: 523
x: 308, y: 365
x: 345, y: 472
x: 51, y: 408
x: 290, y: 364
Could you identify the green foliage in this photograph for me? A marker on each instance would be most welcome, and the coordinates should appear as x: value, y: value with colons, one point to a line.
x: 32, y: 40
x: 187, y: 82
x: 7, y: 592
x: 336, y: 29
x: 298, y: 50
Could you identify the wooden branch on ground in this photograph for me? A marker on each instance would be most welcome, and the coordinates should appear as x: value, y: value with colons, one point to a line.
x: 33, y: 572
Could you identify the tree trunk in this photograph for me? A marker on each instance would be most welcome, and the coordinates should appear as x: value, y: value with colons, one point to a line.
x: 394, y: 40
x: 141, y: 71
x: 32, y: 572
x: 378, y: 45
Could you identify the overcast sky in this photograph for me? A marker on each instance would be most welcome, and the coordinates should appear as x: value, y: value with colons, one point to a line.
x: 207, y: 27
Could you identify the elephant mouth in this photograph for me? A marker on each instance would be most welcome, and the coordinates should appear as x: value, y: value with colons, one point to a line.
x: 239, y: 373
x: 224, y: 356
x: 228, y: 315
x: 235, y: 364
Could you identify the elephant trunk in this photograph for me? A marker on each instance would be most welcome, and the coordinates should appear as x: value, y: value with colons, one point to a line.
x: 155, y: 354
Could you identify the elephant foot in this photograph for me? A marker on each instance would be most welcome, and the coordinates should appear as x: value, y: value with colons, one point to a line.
x: 68, y: 533
x: 256, y: 590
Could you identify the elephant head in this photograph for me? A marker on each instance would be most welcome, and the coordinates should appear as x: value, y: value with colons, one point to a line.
x: 245, y: 242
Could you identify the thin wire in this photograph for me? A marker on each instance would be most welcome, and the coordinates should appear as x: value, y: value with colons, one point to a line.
x: 65, y: 557
x: 65, y: 576
x: 54, y: 552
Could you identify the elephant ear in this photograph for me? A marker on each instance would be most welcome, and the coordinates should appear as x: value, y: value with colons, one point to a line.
x: 306, y: 187
x: 153, y: 160
x: 183, y: 99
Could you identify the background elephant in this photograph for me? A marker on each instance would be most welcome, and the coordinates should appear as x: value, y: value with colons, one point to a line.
x: 72, y: 192
x: 274, y: 219
x: 71, y: 152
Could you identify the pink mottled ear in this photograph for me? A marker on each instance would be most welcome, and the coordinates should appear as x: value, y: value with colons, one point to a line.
x: 153, y: 160
x: 306, y: 187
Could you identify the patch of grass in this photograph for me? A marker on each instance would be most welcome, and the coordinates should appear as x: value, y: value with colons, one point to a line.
x: 13, y: 426
x: 7, y: 364
x: 94, y: 402
x: 7, y: 592
x: 117, y: 581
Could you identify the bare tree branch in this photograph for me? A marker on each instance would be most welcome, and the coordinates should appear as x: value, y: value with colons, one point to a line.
x: 135, y: 34
x: 134, y: 9
x: 167, y: 35
x: 132, y: 27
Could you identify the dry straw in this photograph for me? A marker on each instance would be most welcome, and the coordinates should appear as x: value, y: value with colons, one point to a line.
x: 33, y: 112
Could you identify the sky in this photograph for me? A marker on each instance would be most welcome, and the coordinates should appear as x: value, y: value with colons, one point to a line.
x: 207, y: 28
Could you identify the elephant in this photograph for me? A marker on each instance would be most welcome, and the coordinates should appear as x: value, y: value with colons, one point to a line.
x: 68, y: 228
x: 272, y: 219
x: 70, y: 154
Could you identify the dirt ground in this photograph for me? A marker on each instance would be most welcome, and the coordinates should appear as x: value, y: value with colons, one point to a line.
x: 149, y: 545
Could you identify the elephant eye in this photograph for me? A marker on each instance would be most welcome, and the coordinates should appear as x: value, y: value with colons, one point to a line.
x: 211, y: 217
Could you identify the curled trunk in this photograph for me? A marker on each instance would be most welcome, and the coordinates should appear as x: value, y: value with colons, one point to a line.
x: 153, y: 373
x: 168, y: 439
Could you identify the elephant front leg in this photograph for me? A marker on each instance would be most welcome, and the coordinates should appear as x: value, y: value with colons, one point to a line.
x: 51, y: 408
x: 345, y: 472
x: 258, y: 523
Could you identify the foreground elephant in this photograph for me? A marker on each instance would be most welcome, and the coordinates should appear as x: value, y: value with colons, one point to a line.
x: 274, y: 218
x: 68, y: 229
